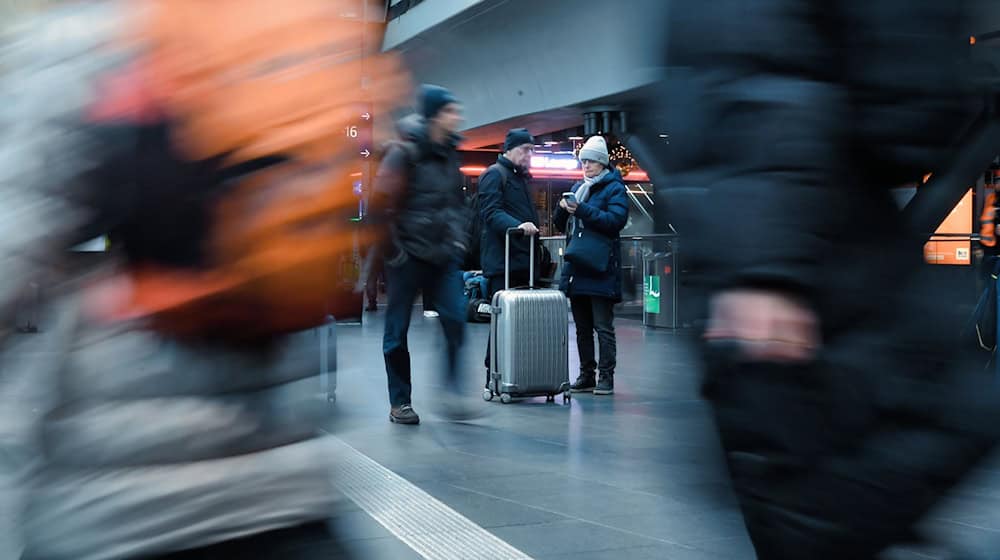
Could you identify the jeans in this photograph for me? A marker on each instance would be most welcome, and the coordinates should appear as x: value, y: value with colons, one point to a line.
x: 495, y: 283
x: 592, y: 313
x: 441, y: 285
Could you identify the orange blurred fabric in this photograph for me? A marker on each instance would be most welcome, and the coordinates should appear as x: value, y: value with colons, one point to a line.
x: 241, y: 80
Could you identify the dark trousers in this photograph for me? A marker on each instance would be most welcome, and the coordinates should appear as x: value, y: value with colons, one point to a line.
x: 518, y: 278
x: 443, y: 286
x: 306, y: 542
x: 595, y: 314
x: 376, y: 275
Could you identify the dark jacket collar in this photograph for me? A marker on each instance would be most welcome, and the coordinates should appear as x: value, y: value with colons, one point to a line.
x: 413, y: 128
x: 518, y: 170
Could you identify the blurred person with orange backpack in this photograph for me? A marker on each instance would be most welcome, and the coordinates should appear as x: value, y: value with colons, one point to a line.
x: 206, y: 139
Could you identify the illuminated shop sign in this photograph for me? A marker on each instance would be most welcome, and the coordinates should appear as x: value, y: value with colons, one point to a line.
x: 565, y: 162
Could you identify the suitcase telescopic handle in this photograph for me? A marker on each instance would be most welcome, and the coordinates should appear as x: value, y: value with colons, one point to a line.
x: 531, y: 259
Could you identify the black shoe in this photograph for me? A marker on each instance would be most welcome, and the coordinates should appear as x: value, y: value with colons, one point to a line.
x: 584, y: 384
x: 404, y: 415
x: 605, y: 385
x: 372, y: 307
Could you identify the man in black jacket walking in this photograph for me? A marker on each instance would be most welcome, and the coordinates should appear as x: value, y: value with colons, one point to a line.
x: 418, y: 198
x: 505, y: 202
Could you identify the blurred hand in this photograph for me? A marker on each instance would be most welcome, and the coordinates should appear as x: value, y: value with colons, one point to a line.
x: 766, y: 326
x: 568, y: 206
x: 528, y: 228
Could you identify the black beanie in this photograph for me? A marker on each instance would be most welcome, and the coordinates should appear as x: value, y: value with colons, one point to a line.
x: 433, y: 99
x: 517, y: 137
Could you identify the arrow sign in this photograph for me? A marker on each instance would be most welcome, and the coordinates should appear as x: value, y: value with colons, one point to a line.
x: 366, y: 116
x: 365, y: 152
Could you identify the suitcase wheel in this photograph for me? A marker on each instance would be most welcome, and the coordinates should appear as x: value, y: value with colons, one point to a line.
x: 550, y: 398
x: 567, y: 396
x: 506, y: 398
x: 487, y: 395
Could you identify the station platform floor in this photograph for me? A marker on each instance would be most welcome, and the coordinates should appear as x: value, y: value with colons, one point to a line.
x: 633, y: 475
x: 637, y: 475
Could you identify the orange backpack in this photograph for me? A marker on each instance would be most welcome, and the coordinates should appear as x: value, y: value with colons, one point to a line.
x: 251, y: 81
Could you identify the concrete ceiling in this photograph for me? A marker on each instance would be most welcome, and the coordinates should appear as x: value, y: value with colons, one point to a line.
x: 538, y: 124
x: 519, y: 63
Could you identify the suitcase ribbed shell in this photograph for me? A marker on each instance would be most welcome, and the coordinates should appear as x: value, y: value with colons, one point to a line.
x: 529, y: 342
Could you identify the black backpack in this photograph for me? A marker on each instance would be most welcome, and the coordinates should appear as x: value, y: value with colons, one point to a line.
x: 473, y: 260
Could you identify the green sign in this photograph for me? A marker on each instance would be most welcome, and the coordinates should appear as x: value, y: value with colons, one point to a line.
x: 651, y: 291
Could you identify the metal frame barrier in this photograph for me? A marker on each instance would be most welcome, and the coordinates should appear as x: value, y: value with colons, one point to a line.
x: 635, y: 250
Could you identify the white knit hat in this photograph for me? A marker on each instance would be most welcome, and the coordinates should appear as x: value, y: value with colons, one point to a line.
x: 596, y: 149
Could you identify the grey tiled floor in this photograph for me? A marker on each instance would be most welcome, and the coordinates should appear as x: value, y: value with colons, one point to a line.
x: 633, y: 476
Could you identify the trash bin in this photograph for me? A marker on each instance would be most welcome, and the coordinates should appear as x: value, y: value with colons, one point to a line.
x: 659, y: 290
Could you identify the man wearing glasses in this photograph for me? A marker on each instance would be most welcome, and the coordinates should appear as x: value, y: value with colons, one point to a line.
x: 505, y: 202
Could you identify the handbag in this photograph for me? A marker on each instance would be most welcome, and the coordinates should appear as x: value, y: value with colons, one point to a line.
x: 590, y: 250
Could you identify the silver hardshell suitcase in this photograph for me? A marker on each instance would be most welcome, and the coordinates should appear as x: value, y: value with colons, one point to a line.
x: 529, y: 351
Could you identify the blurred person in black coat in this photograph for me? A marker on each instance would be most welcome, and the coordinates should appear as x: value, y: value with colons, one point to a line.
x: 829, y: 355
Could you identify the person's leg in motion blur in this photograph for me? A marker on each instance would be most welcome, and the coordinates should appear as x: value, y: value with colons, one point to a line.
x: 603, y: 310
x: 372, y: 282
x: 449, y: 300
x: 583, y: 317
x: 403, y: 286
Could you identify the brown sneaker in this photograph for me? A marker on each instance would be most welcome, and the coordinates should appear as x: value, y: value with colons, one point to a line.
x: 404, y: 415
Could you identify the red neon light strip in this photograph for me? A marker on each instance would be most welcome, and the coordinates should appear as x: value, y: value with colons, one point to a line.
x: 477, y: 170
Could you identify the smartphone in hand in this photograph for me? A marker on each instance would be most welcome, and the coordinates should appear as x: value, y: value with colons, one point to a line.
x: 569, y: 197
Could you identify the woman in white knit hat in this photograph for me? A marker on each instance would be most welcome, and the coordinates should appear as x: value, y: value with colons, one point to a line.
x: 592, y: 217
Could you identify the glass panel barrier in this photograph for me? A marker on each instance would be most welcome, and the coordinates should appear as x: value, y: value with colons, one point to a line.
x: 635, y: 249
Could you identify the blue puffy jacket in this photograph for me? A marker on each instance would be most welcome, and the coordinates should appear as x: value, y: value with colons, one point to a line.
x: 606, y: 211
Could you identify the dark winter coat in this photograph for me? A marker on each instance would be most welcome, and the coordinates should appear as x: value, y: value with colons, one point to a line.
x: 779, y: 169
x: 502, y: 207
x: 418, y: 197
x: 785, y: 150
x: 605, y: 211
